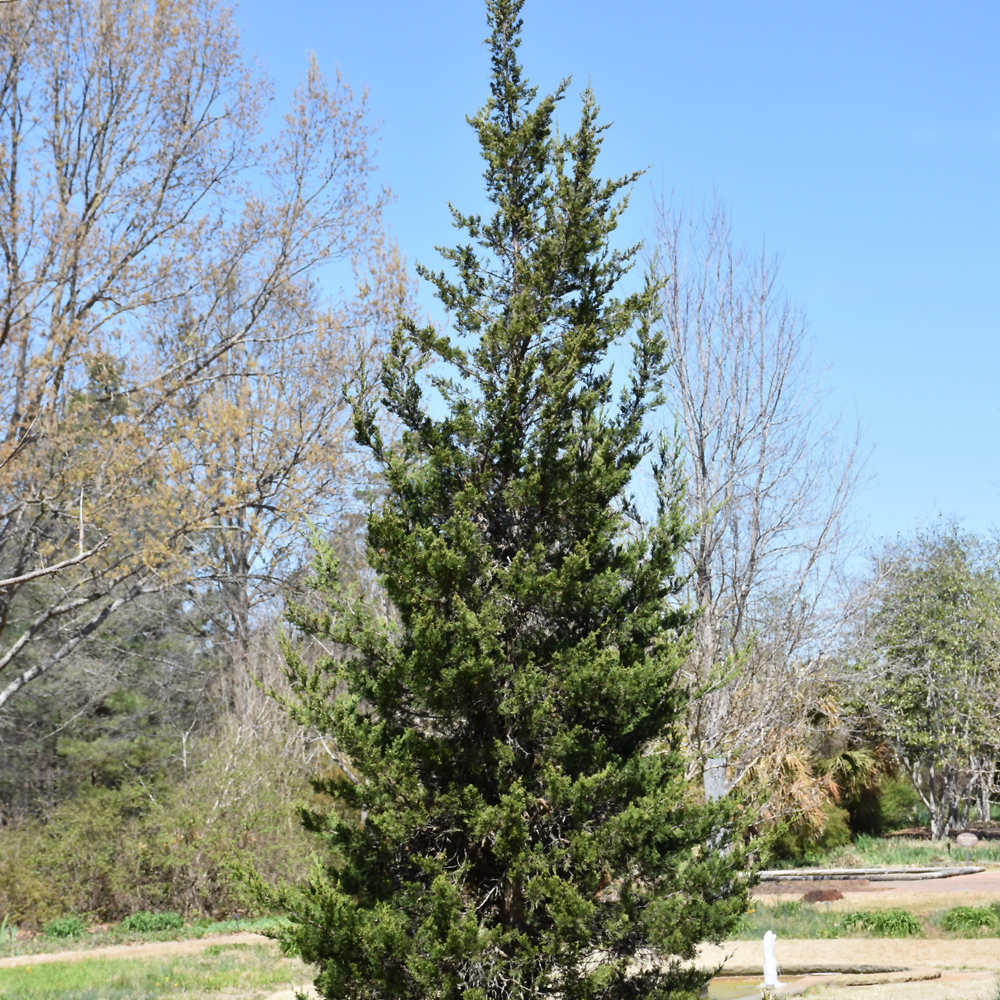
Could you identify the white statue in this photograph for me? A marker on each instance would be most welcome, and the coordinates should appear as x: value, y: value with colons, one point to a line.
x: 770, y: 962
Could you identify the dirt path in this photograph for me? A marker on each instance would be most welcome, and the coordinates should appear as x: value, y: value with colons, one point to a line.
x: 148, y: 949
x: 987, y: 882
x: 920, y: 898
x: 968, y: 954
x: 968, y: 967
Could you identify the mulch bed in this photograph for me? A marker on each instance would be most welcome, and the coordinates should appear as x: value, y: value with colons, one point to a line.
x: 984, y: 831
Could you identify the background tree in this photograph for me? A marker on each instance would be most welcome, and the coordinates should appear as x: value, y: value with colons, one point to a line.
x: 769, y: 482
x: 527, y: 828
x: 270, y: 456
x: 930, y: 647
x: 153, y: 252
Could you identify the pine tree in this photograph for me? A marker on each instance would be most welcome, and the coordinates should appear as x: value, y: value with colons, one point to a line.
x: 517, y: 821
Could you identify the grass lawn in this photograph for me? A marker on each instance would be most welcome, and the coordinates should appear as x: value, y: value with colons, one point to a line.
x: 793, y: 919
x: 44, y: 943
x: 870, y: 852
x: 233, y: 972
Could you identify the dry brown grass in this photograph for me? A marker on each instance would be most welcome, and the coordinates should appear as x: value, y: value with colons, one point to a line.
x: 972, y: 954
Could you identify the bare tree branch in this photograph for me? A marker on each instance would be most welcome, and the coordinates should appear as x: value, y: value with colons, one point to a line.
x: 769, y: 487
x: 169, y: 373
x: 38, y: 669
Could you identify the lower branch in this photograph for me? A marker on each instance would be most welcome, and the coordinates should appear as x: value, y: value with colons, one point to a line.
x: 67, y: 647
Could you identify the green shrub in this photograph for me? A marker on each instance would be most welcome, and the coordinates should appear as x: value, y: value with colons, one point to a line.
x: 65, y: 927
x: 807, y: 844
x: 144, y: 922
x: 972, y: 920
x: 108, y: 852
x: 888, y: 805
x: 883, y: 923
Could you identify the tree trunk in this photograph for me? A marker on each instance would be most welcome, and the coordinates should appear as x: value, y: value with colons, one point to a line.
x: 983, y: 783
x: 236, y: 593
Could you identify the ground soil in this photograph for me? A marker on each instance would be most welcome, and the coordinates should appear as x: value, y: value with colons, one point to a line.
x: 951, y: 986
x: 152, y: 949
x: 920, y: 898
x: 146, y: 949
x: 969, y: 968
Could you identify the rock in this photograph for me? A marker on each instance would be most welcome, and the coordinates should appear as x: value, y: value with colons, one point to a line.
x: 822, y: 896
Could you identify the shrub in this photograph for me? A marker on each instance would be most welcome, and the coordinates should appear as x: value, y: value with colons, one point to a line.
x: 900, y: 803
x: 808, y: 844
x: 883, y: 923
x: 972, y: 920
x: 65, y: 927
x: 109, y: 852
x: 144, y: 922
x: 890, y: 804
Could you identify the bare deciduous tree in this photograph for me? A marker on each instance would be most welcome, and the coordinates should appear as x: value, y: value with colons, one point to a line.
x: 154, y: 251
x: 769, y: 483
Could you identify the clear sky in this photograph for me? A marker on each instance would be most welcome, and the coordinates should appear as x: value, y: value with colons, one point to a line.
x: 861, y: 140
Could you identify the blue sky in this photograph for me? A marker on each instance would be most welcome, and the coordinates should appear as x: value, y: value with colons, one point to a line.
x: 860, y: 140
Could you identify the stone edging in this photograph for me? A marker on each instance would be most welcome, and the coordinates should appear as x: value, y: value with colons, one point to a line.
x: 846, y: 975
x: 885, y: 874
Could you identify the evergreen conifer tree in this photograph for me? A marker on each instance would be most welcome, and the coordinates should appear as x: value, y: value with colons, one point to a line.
x: 517, y: 821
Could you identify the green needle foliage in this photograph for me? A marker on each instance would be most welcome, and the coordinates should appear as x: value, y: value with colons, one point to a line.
x: 513, y: 726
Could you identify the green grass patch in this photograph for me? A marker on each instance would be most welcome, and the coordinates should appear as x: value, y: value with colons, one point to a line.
x: 250, y: 967
x: 144, y: 921
x: 218, y: 949
x: 256, y: 925
x: 892, y: 922
x: 793, y: 919
x: 65, y: 927
x: 873, y: 852
x: 790, y: 919
x: 973, y: 921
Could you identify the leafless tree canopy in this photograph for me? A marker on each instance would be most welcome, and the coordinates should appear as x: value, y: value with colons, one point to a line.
x: 769, y: 483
